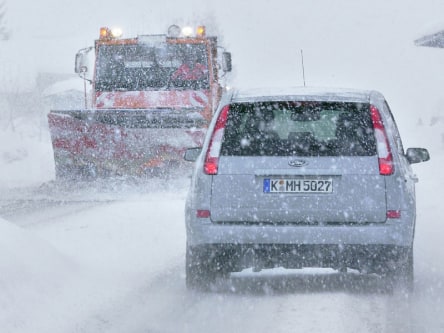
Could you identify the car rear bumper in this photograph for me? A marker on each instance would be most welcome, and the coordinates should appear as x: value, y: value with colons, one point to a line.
x: 393, y: 233
x: 365, y: 258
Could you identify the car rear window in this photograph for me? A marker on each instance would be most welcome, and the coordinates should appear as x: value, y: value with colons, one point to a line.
x: 292, y: 128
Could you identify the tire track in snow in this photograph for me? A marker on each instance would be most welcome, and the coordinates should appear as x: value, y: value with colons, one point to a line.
x: 248, y: 302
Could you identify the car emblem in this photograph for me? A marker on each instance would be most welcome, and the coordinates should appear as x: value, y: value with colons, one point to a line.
x: 297, y: 163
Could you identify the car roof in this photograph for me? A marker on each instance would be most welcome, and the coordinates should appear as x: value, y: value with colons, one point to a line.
x: 305, y: 93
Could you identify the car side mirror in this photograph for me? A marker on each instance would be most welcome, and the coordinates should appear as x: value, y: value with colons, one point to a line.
x: 417, y: 155
x: 191, y: 154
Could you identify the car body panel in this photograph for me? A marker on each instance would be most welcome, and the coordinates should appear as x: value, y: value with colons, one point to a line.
x: 238, y: 191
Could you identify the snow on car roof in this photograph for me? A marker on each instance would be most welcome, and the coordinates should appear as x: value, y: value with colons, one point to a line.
x: 303, y: 93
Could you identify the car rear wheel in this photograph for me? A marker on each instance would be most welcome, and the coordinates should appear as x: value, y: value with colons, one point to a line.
x: 202, y: 268
x: 198, y: 271
x: 402, y: 275
x: 406, y: 278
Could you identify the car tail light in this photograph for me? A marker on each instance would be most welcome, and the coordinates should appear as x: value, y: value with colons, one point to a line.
x: 212, y: 156
x: 385, y: 156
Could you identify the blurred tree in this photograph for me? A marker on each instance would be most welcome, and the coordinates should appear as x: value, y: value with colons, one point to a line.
x: 4, y: 32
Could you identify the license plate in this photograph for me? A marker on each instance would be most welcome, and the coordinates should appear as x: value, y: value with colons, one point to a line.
x: 281, y: 185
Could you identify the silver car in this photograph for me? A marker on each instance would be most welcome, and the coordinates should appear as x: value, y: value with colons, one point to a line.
x: 301, y: 178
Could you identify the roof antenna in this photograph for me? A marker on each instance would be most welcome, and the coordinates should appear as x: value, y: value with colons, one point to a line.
x: 303, y: 67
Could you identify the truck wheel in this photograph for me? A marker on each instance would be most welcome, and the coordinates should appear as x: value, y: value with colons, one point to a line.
x: 65, y: 172
x: 88, y: 172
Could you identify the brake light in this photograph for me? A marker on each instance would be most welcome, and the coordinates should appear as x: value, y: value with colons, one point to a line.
x: 393, y: 214
x: 212, y: 156
x: 385, y: 156
x: 203, y: 213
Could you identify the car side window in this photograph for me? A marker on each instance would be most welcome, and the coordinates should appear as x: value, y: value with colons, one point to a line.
x: 393, y: 128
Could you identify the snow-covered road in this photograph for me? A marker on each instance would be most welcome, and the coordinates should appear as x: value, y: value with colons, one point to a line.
x: 111, y: 259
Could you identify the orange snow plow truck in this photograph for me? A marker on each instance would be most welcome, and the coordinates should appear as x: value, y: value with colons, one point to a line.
x: 151, y: 97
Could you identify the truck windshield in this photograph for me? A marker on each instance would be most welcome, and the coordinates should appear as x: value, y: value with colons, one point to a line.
x: 139, y: 67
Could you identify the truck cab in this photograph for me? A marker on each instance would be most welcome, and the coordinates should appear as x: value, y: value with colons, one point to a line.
x: 157, y: 92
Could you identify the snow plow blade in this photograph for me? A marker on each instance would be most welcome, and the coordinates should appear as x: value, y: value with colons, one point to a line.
x: 122, y: 142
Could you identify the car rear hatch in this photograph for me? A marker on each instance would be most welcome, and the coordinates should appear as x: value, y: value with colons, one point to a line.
x: 308, y: 163
x: 325, y: 190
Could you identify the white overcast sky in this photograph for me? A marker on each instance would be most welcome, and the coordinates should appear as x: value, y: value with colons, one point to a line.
x: 268, y: 30
x: 360, y: 44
